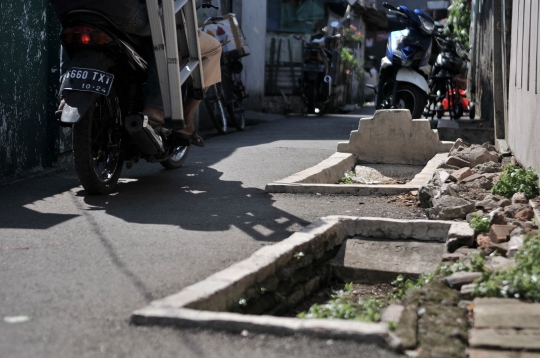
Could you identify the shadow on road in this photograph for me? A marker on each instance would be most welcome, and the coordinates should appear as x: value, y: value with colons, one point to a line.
x: 192, y: 198
x: 203, y: 202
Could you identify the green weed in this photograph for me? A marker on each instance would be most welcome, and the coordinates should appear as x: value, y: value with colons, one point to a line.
x: 517, y: 180
x: 519, y: 281
x: 347, y: 178
x: 480, y: 223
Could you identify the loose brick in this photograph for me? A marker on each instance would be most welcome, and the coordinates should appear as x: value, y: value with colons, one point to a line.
x: 500, y: 233
x: 462, y: 173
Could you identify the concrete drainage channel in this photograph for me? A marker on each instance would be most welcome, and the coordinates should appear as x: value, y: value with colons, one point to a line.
x: 323, y: 177
x: 391, y: 146
x: 279, y: 277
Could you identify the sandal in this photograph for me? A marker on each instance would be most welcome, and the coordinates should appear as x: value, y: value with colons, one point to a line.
x: 194, y: 138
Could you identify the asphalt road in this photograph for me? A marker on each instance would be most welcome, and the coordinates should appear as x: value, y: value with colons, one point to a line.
x: 79, y: 265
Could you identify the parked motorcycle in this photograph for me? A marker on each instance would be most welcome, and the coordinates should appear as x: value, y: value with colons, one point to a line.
x: 103, y: 93
x: 445, y: 94
x: 316, y: 81
x: 404, y: 71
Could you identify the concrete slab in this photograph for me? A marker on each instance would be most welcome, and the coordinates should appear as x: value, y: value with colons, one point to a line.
x: 506, y: 313
x: 376, y: 260
x: 491, y: 353
x: 504, y: 338
x: 387, y: 172
x: 393, y: 137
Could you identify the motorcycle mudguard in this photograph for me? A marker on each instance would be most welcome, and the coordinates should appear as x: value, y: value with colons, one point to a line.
x: 312, y: 76
x: 78, y: 102
x: 406, y: 74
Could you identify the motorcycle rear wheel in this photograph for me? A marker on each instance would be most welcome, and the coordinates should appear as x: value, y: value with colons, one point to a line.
x: 310, y: 91
x: 177, y: 160
x: 97, y: 145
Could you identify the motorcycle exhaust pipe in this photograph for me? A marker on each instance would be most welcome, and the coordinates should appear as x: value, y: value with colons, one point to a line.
x: 144, y: 135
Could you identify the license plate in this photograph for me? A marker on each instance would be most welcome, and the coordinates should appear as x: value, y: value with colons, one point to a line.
x: 88, y: 80
x: 313, y: 67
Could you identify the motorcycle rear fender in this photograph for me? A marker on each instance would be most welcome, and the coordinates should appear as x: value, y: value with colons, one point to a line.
x: 78, y: 102
x: 311, y: 75
x: 406, y: 74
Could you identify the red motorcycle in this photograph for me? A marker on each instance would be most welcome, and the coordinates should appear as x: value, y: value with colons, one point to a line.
x: 445, y: 94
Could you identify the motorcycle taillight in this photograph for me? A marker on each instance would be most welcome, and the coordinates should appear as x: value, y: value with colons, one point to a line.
x: 313, y: 56
x: 84, y: 35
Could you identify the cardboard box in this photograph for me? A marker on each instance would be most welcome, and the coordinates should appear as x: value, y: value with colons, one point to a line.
x: 229, y: 33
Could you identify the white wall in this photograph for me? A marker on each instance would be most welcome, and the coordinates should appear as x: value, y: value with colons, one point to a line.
x: 253, y: 23
x: 524, y: 88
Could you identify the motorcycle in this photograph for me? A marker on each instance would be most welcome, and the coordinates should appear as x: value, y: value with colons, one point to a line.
x: 316, y: 81
x: 445, y: 95
x: 404, y: 71
x: 103, y: 94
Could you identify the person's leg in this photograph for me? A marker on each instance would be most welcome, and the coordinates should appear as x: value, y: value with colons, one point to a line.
x: 211, y: 55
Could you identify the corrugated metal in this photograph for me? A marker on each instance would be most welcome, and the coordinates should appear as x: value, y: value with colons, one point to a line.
x: 524, y: 89
x: 283, y: 79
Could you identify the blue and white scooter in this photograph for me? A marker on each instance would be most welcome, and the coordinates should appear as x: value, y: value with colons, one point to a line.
x: 405, y: 70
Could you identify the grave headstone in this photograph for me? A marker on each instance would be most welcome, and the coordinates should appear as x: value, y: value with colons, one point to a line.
x: 391, y: 136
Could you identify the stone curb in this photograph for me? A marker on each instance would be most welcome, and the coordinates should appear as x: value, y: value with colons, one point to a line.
x: 203, y: 303
x: 536, y: 209
x: 376, y: 333
x: 315, y: 179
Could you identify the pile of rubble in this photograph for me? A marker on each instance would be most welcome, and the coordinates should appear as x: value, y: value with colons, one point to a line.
x: 461, y: 187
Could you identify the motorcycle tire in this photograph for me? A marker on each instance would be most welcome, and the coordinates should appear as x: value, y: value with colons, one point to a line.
x: 456, y: 112
x: 240, y: 120
x: 439, y: 110
x: 177, y: 160
x: 218, y: 109
x: 412, y: 98
x: 472, y: 110
x: 234, y: 103
x: 96, y: 145
x: 310, y: 91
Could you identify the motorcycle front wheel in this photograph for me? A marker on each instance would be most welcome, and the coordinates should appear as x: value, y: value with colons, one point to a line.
x: 412, y: 98
x: 218, y: 108
x: 97, y: 145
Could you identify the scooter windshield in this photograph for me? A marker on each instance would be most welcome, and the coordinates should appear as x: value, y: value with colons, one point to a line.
x: 408, y: 48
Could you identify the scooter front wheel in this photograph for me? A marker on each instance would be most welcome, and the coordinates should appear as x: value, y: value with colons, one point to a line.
x: 412, y: 98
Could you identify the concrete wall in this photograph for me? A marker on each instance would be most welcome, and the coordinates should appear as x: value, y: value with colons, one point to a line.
x: 28, y: 84
x: 524, y: 87
x: 252, y: 17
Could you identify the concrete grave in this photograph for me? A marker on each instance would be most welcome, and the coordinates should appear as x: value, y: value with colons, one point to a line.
x: 371, y: 260
x: 393, y: 137
x: 282, y: 270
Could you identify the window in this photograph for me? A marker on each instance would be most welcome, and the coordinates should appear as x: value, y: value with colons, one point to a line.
x: 294, y: 15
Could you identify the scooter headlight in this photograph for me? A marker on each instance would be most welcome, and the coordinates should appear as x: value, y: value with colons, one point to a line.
x: 427, y: 25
